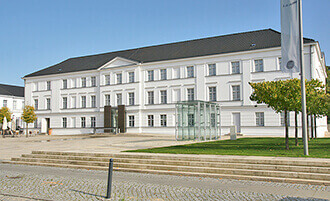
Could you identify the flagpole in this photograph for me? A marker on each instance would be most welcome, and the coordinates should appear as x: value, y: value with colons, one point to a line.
x: 303, y: 88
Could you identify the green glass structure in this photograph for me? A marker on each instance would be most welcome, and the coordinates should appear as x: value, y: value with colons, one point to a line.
x: 197, y: 120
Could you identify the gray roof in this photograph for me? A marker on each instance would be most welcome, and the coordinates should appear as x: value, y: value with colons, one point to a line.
x: 266, y: 38
x: 11, y: 90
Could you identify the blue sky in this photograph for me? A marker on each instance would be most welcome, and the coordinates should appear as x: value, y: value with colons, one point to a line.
x: 39, y: 33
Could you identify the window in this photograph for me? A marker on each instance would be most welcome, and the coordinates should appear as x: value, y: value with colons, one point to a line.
x: 151, y: 120
x: 259, y: 65
x: 163, y: 97
x: 93, y: 101
x: 83, y: 101
x: 107, y: 100
x: 36, y: 123
x: 282, y: 118
x: 213, y: 122
x: 163, y: 120
x: 131, y: 77
x: 65, y: 103
x: 191, y: 95
x: 14, y: 105
x: 163, y: 74
x: 191, y: 120
x: 213, y: 93
x: 93, y: 81
x: 48, y: 85
x: 83, y: 122
x: 190, y: 71
x: 236, y: 92
x: 36, y: 104
x: 131, y: 121
x: 93, y: 122
x: 83, y: 82
x: 212, y: 69
x: 131, y: 98
x: 5, y: 103
x: 107, y: 79
x: 150, y: 75
x: 119, y: 99
x: 48, y: 103
x: 235, y: 67
x: 65, y: 84
x: 119, y: 78
x: 64, y: 122
x: 260, y: 119
x: 279, y: 62
x: 150, y: 97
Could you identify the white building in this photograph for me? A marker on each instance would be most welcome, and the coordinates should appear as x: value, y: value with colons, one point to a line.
x: 71, y: 95
x: 13, y: 98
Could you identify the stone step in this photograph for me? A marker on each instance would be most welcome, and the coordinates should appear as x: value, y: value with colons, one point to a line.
x: 212, y: 170
x: 224, y: 176
x: 205, y: 158
x: 186, y: 163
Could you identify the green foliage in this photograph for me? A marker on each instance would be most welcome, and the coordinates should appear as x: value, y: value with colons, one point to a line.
x: 28, y: 115
x: 5, y: 112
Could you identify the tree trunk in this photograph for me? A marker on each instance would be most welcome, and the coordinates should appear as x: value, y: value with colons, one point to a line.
x: 296, y: 127
x: 315, y: 135
x: 27, y: 130
x: 312, y: 127
x: 286, y: 130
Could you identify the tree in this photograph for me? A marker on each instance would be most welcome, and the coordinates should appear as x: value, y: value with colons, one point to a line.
x: 28, y: 116
x: 5, y: 112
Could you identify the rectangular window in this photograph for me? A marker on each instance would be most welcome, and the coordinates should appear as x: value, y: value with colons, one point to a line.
x: 83, y: 122
x: 131, y: 77
x: 191, y: 95
x: 36, y: 123
x: 260, y: 119
x: 93, y: 101
x: 83, y: 101
x: 64, y: 122
x: 213, y: 93
x: 259, y: 65
x: 93, y: 81
x: 48, y: 85
x: 107, y: 79
x: 83, y: 82
x: 163, y: 74
x: 65, y: 103
x: 93, y: 122
x: 190, y: 71
x: 163, y: 120
x: 131, y: 121
x: 191, y: 120
x: 212, y: 70
x: 282, y: 119
x: 235, y: 67
x: 151, y: 120
x: 236, y: 92
x: 14, y: 105
x: 150, y: 75
x: 5, y: 103
x: 131, y: 98
x: 163, y: 97
x: 36, y: 104
x: 107, y: 100
x: 213, y: 122
x: 48, y: 103
x: 119, y: 99
x: 65, y: 84
x: 119, y: 78
x: 150, y: 97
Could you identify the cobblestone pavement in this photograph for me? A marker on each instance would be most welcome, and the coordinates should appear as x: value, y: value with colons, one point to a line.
x: 28, y: 183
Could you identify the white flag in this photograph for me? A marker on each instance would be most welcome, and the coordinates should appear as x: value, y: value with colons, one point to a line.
x: 290, y: 36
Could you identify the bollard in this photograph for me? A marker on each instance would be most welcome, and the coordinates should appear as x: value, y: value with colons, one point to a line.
x: 109, y: 178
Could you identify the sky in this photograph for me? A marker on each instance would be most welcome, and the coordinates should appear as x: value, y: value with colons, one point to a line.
x: 36, y: 34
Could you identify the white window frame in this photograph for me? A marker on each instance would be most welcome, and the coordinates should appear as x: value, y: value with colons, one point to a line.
x: 163, y: 74
x: 93, y: 101
x: 131, y: 120
x: 131, y: 77
x: 119, y: 77
x: 235, y: 67
x: 151, y: 75
x: 236, y: 94
x: 163, y: 96
x: 107, y: 100
x: 65, y: 84
x: 260, y: 118
x: 93, y: 122
x: 190, y: 72
x: 212, y: 69
x: 131, y: 98
x: 150, y: 120
x: 213, y: 93
x: 119, y: 98
x: 64, y: 122
x: 107, y: 80
x: 258, y: 65
x: 191, y: 94
x: 83, y: 82
x: 65, y: 102
x: 83, y: 122
x: 83, y: 101
x: 151, y: 97
x: 93, y: 81
x: 163, y: 120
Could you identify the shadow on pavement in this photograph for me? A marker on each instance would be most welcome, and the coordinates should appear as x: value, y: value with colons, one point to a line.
x: 301, y: 199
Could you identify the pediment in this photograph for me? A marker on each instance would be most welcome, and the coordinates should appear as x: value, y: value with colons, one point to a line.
x: 118, y: 62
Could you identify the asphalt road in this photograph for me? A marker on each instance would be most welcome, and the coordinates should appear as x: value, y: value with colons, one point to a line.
x: 18, y: 182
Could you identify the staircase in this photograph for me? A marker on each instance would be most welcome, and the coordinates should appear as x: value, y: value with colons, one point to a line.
x: 276, y: 169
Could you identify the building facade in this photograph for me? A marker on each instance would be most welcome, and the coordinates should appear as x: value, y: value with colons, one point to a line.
x: 149, y: 81
x: 13, y: 98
